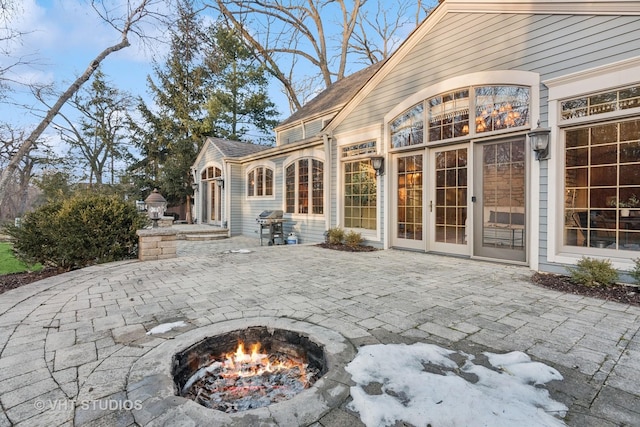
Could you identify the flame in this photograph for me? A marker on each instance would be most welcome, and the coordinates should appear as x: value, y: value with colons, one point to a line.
x: 253, y: 363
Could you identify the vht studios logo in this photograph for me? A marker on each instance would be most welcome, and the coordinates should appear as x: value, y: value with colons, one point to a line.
x: 102, y: 405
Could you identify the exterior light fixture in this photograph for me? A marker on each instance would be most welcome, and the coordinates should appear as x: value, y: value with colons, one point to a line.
x: 220, y: 183
x: 156, y: 205
x: 539, y: 138
x: 378, y: 164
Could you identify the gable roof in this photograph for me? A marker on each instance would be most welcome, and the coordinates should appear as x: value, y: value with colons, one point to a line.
x: 480, y: 7
x: 333, y: 97
x: 229, y: 149
x: 234, y: 149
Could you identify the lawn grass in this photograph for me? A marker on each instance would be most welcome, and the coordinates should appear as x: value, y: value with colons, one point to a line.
x: 9, y: 263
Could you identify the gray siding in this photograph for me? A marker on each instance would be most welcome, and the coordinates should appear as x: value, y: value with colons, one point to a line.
x: 291, y: 135
x: 309, y: 230
x: 549, y: 45
x: 313, y: 128
x: 236, y: 225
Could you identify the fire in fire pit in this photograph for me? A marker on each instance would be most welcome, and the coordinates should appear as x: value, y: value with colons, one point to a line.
x: 279, y: 365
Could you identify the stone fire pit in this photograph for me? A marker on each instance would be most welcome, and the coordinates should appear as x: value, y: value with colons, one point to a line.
x: 156, y: 378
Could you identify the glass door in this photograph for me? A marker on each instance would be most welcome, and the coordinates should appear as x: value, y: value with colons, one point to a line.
x: 408, y: 189
x: 448, y: 200
x: 500, y: 208
x: 215, y: 206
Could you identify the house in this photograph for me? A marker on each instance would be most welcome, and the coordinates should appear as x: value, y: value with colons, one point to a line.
x: 450, y: 118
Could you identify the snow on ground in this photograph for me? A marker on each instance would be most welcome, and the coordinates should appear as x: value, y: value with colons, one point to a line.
x: 426, y: 384
x: 166, y: 327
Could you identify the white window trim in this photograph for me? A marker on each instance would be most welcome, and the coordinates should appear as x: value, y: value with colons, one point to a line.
x: 252, y: 167
x: 484, y: 78
x: 623, y: 73
x: 369, y: 133
x: 311, y: 154
x: 207, y: 166
x: 499, y: 77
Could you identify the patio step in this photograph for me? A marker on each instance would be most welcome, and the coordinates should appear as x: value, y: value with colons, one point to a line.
x: 202, y: 237
x: 202, y: 233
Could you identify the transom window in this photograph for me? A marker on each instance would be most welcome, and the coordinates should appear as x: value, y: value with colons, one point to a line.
x: 359, y: 149
x: 501, y: 107
x: 408, y: 128
x: 450, y: 114
x: 304, y: 187
x: 260, y: 182
x: 600, y: 103
x: 211, y: 173
x: 602, y: 186
x: 360, y: 189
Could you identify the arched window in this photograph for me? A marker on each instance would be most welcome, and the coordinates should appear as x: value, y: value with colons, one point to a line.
x: 464, y: 112
x: 260, y: 182
x: 304, y: 187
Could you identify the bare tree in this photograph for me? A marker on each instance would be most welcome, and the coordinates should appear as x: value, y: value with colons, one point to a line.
x: 17, y: 196
x: 377, y: 35
x: 127, y: 24
x: 98, y: 135
x: 288, y: 36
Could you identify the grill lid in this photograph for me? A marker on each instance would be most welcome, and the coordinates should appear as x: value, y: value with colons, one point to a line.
x: 275, y: 214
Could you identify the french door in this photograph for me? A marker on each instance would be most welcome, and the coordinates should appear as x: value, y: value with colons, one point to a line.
x: 448, y: 209
x: 211, y: 202
x: 408, y: 217
x: 216, y: 205
x: 500, y: 206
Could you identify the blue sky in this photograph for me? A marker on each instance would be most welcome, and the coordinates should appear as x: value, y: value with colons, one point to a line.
x: 63, y: 37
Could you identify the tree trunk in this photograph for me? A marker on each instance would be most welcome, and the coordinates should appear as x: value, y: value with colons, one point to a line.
x: 28, y: 143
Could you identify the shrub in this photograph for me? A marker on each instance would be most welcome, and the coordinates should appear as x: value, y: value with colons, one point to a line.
x: 635, y: 273
x: 593, y: 272
x: 335, y: 236
x: 353, y: 239
x: 76, y: 232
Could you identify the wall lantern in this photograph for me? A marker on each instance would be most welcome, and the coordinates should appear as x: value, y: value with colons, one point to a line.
x: 378, y: 164
x: 194, y: 186
x: 220, y: 183
x: 156, y: 205
x: 539, y: 138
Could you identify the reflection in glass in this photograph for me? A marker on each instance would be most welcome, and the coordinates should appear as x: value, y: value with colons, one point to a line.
x: 409, y: 194
x: 602, y: 185
x: 360, y: 191
x: 503, y: 194
x: 451, y: 196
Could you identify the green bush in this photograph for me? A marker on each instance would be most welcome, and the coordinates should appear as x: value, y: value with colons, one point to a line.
x: 635, y: 273
x: 353, y: 239
x: 76, y: 232
x: 335, y: 236
x: 593, y: 272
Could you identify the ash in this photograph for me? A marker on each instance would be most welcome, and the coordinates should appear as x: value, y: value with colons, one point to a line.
x: 230, y: 387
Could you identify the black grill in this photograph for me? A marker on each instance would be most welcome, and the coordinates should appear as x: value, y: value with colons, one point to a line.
x: 272, y: 222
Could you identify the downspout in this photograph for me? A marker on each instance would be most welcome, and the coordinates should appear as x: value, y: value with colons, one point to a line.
x: 327, y: 180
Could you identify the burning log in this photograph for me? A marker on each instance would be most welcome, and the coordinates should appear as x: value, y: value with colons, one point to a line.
x: 240, y: 381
